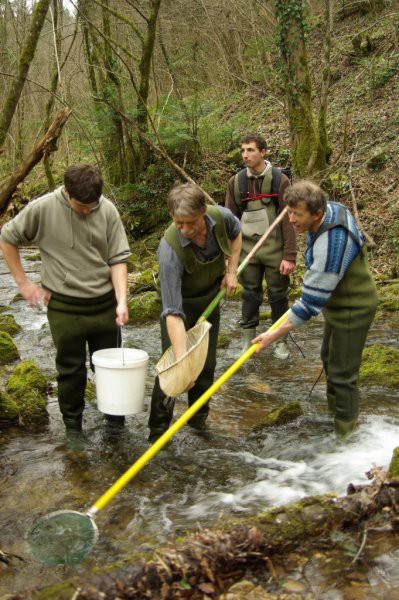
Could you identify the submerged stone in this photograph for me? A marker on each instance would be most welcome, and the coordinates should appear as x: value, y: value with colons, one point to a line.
x: 280, y: 416
x: 9, y: 324
x: 380, y: 366
x: 8, y: 350
x: 143, y: 308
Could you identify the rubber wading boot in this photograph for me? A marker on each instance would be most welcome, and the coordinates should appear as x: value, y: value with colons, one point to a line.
x: 281, y: 350
x: 247, y: 337
x: 198, y: 422
x: 73, y: 424
x: 115, y: 421
x: 155, y: 434
x: 331, y: 404
x: 343, y: 429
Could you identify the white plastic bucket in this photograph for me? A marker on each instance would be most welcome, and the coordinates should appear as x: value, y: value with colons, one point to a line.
x: 120, y: 380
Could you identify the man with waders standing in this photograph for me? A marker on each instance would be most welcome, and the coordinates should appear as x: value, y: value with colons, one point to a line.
x: 84, y: 249
x: 197, y: 255
x: 255, y: 195
x: 337, y: 282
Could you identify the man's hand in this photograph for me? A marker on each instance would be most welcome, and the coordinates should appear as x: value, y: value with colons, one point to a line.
x: 230, y: 282
x: 34, y: 294
x: 122, y: 314
x: 287, y: 267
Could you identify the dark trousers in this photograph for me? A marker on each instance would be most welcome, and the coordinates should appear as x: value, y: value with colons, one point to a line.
x: 161, y: 405
x: 341, y: 354
x: 71, y: 331
x: 252, y: 295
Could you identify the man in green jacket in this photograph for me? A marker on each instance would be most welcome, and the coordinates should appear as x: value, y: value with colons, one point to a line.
x: 197, y: 256
x: 337, y: 282
x: 84, y: 249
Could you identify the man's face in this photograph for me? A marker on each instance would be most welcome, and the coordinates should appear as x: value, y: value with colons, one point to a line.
x: 190, y: 226
x: 302, y: 220
x: 82, y: 208
x: 253, y: 157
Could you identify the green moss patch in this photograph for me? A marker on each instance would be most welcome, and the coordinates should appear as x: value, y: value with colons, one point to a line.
x: 142, y: 281
x: 388, y: 296
x: 280, y: 416
x: 33, y: 257
x: 380, y: 366
x: 90, y: 393
x: 9, y: 409
x: 8, y: 350
x: 9, y: 324
x: 27, y: 388
x: 394, y: 465
x: 143, y: 308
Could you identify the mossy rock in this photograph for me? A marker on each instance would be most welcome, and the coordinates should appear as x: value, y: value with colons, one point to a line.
x: 224, y: 339
x: 9, y: 409
x: 142, y: 281
x: 144, y: 308
x: 9, y: 324
x: 8, y: 350
x: 26, y: 377
x: 280, y: 416
x: 394, y: 465
x: 33, y: 257
x: 265, y: 315
x: 90, y: 393
x: 27, y: 387
x: 234, y: 157
x: 3, y: 308
x: 388, y: 296
x: 380, y: 366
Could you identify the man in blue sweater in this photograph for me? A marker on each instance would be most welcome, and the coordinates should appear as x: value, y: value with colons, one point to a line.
x: 337, y: 282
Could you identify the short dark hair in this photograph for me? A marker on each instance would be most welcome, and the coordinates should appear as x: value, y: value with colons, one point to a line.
x: 83, y: 183
x: 254, y: 137
x: 186, y: 199
x: 308, y: 192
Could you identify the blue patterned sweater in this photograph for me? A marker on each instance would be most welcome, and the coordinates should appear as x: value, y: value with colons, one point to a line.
x: 326, y: 261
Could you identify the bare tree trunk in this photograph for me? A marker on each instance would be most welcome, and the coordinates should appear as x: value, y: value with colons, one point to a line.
x: 46, y: 145
x: 27, y: 54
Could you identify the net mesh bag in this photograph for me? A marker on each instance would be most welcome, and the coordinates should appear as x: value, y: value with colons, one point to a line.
x: 176, y: 376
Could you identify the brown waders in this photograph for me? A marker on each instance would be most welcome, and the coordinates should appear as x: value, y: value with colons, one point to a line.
x: 75, y: 322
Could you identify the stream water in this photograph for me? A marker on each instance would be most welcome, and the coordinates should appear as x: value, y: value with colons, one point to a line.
x: 199, y: 479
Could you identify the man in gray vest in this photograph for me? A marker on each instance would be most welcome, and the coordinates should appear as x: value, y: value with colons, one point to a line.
x: 255, y: 195
x: 197, y: 255
x: 337, y: 282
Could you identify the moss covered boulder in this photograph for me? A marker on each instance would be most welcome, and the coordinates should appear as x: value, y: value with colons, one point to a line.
x: 394, y: 465
x: 280, y: 416
x: 9, y: 409
x: 27, y: 387
x: 380, y: 366
x: 388, y: 296
x: 90, y: 393
x: 9, y: 324
x: 8, y: 350
x: 144, y: 307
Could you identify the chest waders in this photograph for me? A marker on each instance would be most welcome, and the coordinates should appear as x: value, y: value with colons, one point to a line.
x: 259, y: 210
x: 348, y: 315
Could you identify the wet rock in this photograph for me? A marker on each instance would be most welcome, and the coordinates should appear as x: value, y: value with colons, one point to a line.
x: 224, y: 340
x: 380, y: 366
x: 8, y: 350
x: 280, y: 416
x: 143, y: 308
x: 394, y: 464
x: 27, y: 388
x: 246, y: 590
x: 9, y: 324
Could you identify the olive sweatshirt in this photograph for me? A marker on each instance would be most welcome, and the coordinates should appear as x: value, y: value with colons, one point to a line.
x: 77, y: 251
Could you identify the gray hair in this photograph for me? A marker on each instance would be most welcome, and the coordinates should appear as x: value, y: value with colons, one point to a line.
x: 186, y: 199
x: 308, y: 192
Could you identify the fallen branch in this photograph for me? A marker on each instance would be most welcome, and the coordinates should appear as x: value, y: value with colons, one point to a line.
x: 44, y: 147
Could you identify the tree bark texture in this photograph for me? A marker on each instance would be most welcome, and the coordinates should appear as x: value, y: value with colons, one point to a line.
x: 26, y: 57
x: 45, y: 146
x: 307, y: 152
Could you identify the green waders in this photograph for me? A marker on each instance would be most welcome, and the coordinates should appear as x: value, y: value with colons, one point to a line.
x: 348, y: 316
x: 161, y: 405
x: 75, y: 322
